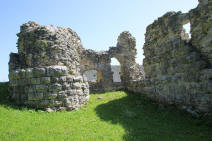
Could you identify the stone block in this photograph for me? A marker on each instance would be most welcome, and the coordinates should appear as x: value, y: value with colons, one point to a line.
x: 69, y: 79
x: 41, y: 88
x: 54, y: 79
x: 29, y: 73
x: 78, y: 79
x: 30, y: 89
x: 44, y: 103
x: 209, y: 87
x: 16, y: 74
x: 57, y: 103
x: 79, y: 92
x: 22, y: 73
x: 22, y: 82
x: 35, y: 96
x: 62, y: 94
x: 76, y: 85
x: 51, y: 95
x: 35, y: 81
x: 66, y: 86
x: 83, y: 99
x: 206, y: 74
x: 57, y: 71
x: 45, y: 80
x: 13, y: 83
x: 39, y: 72
x: 71, y: 92
x: 62, y: 79
x: 55, y: 87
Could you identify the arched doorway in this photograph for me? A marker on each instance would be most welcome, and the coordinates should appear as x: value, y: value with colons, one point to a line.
x: 116, y: 69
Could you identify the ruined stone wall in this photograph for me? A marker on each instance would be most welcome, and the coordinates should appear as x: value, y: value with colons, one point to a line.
x: 48, y: 70
x: 99, y: 61
x: 201, y: 30
x: 178, y: 70
x: 45, y: 72
x: 125, y: 52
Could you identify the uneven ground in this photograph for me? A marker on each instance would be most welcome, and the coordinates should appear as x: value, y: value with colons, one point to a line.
x: 112, y: 116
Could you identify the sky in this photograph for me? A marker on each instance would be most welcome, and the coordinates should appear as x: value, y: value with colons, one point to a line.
x: 97, y: 22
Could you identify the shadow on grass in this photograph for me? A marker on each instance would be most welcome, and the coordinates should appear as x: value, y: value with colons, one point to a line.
x: 145, y: 121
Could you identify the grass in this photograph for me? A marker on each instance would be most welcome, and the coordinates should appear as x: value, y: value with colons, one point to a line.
x: 117, y: 116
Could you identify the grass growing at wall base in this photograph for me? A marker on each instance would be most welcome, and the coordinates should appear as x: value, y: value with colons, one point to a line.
x: 112, y: 116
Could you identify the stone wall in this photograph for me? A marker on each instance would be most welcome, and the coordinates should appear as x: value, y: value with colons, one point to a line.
x: 50, y: 86
x: 201, y: 30
x: 178, y: 69
x: 125, y: 52
x: 45, y: 72
x: 99, y: 61
x: 96, y: 87
x: 48, y: 70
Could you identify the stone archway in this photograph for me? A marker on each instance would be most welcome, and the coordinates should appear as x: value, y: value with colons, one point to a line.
x: 125, y: 52
x: 116, y: 69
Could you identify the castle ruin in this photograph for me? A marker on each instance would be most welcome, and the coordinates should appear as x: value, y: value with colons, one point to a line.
x: 48, y: 70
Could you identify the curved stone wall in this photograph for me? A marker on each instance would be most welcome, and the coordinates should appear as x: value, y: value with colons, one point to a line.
x: 45, y: 73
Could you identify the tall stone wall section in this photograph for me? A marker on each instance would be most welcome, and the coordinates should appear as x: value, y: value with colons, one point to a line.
x: 45, y: 72
x: 201, y: 29
x: 178, y: 69
x: 125, y: 52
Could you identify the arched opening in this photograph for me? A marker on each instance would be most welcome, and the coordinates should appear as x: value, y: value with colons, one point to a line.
x: 116, y: 69
x: 186, y: 32
x: 91, y: 75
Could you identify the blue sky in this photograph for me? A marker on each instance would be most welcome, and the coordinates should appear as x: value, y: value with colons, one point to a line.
x: 97, y: 22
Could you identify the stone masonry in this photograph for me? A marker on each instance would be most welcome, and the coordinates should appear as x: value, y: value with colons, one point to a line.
x: 125, y: 52
x: 48, y: 70
x: 178, y: 69
x: 45, y: 72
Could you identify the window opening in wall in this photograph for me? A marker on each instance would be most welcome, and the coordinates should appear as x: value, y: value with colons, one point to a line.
x: 91, y: 75
x: 186, y: 33
x: 116, y: 69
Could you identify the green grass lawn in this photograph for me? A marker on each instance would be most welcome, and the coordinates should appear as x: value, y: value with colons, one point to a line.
x: 117, y: 116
